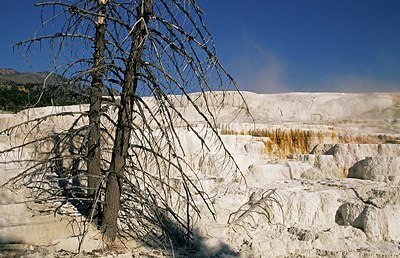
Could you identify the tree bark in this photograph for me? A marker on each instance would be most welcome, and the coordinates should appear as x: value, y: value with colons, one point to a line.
x: 123, y: 131
x: 94, y: 157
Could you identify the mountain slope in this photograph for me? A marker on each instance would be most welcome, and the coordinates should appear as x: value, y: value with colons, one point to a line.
x: 23, y: 90
x: 9, y: 74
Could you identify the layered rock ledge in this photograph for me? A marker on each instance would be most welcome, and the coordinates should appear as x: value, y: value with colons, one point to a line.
x: 322, y: 175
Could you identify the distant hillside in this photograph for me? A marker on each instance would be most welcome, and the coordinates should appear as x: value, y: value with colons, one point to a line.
x: 8, y: 74
x: 22, y: 90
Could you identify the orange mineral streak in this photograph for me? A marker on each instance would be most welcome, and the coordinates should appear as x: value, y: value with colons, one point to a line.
x: 279, y: 143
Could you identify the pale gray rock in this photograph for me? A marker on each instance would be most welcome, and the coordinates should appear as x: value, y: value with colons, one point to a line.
x: 324, y: 166
x: 384, y: 169
x: 343, y: 160
x: 348, y: 213
x: 346, y: 155
x: 259, y: 175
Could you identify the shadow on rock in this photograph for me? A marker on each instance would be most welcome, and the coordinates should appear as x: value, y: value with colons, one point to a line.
x: 178, y: 243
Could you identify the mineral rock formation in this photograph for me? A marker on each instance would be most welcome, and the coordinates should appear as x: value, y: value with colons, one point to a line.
x: 322, y: 178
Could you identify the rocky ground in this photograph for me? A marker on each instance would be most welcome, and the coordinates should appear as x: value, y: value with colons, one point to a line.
x: 322, y: 178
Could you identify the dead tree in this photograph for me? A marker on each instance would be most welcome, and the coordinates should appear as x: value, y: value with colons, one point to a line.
x: 169, y: 51
x: 157, y: 48
x: 115, y: 176
x: 97, y: 86
x: 84, y: 28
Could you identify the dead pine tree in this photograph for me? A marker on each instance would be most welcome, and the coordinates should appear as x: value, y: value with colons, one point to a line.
x: 80, y: 47
x: 169, y: 51
x: 133, y: 162
x: 95, y: 101
x: 125, y: 114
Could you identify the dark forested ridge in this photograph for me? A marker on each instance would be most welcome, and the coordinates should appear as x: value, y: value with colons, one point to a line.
x: 23, y: 90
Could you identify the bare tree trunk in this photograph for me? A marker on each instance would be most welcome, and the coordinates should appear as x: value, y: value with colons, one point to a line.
x: 123, y: 132
x: 93, y: 165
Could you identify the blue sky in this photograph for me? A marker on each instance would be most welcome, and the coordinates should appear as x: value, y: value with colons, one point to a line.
x: 273, y: 45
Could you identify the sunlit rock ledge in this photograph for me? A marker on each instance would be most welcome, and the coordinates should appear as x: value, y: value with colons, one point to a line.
x: 331, y: 160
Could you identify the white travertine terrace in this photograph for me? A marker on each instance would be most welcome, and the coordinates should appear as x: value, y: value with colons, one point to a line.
x: 332, y: 159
